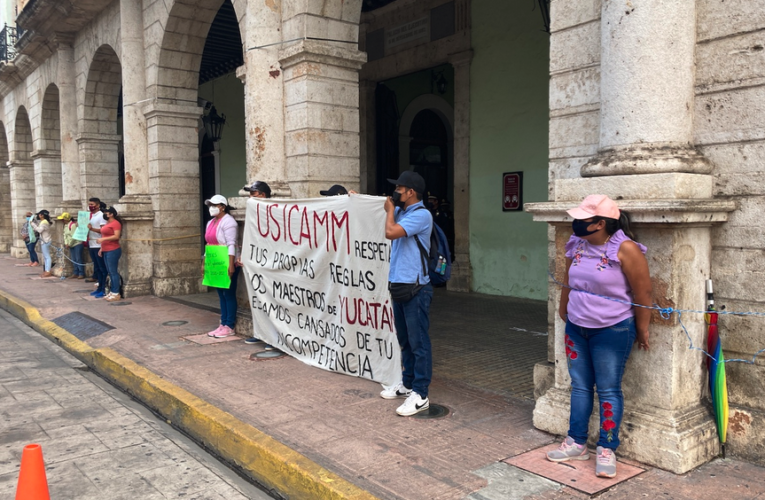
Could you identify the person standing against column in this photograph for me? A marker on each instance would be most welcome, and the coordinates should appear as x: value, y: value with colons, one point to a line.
x: 97, y: 221
x: 74, y: 246
x: 111, y: 251
x: 602, y: 259
x: 258, y: 189
x: 41, y: 223
x: 222, y: 230
x: 30, y: 240
x: 408, y: 225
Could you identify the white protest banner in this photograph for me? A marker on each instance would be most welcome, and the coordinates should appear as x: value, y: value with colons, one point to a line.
x: 317, y: 275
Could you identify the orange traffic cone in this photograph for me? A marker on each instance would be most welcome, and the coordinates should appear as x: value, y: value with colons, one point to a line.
x: 33, y: 484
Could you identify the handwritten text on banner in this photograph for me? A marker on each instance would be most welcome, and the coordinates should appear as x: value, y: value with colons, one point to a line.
x: 316, y: 273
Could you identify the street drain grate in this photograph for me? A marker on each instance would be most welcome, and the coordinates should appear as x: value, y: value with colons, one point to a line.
x: 434, y: 411
x: 174, y: 323
x: 82, y: 326
x: 258, y: 356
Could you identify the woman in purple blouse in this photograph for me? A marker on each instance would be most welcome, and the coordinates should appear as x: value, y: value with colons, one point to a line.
x: 601, y: 258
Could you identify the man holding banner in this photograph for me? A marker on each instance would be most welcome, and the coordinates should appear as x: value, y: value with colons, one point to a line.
x: 407, y: 221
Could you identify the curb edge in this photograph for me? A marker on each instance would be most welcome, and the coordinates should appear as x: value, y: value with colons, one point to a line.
x: 269, y: 462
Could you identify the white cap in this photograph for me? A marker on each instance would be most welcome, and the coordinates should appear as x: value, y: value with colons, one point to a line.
x: 217, y: 200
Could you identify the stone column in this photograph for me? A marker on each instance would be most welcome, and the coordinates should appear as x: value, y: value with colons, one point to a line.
x: 647, y: 89
x: 461, y: 268
x: 367, y: 133
x: 263, y: 97
x: 133, y: 93
x: 646, y: 161
x: 67, y: 102
x: 321, y: 108
x: 6, y: 224
x: 173, y: 153
x: 22, y: 179
x: 99, y: 166
x: 47, y: 172
x: 136, y: 265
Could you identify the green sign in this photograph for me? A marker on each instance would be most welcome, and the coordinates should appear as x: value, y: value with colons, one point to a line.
x: 83, y: 219
x: 216, y: 267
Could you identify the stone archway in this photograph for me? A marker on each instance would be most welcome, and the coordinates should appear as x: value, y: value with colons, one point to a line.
x: 172, y: 122
x: 100, y: 131
x: 21, y: 175
x: 6, y: 224
x: 47, y: 157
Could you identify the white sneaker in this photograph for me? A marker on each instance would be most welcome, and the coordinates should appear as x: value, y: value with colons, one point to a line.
x: 395, y: 392
x: 414, y: 404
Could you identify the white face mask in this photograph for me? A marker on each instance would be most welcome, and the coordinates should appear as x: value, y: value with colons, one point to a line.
x: 214, y: 211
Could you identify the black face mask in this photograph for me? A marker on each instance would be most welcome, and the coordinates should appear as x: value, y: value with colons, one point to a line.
x: 396, y: 197
x: 580, y: 228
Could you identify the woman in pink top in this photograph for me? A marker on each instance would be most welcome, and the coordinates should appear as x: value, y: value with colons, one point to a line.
x: 222, y: 230
x: 602, y: 259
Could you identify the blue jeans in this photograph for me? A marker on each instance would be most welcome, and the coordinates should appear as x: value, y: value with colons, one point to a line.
x: 112, y: 260
x: 32, y: 252
x: 46, y: 255
x: 596, y: 357
x: 75, y: 253
x: 412, y: 320
x: 227, y: 298
x: 99, y: 268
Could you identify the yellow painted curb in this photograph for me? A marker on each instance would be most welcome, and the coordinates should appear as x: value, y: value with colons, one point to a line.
x: 268, y: 461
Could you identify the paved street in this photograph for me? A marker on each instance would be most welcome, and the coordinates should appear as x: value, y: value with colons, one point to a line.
x: 97, y: 442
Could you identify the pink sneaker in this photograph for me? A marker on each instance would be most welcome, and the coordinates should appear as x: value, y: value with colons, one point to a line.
x: 215, y: 332
x: 224, y: 331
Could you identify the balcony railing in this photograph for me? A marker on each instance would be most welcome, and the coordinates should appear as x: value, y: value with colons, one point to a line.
x: 9, y: 35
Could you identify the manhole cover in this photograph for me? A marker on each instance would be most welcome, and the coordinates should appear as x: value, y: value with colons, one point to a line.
x: 174, y: 323
x: 435, y: 411
x: 266, y: 355
x: 120, y: 303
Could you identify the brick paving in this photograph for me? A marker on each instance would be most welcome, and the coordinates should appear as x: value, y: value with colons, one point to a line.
x: 482, y: 373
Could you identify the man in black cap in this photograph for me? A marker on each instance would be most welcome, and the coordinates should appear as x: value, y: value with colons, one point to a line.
x: 335, y: 190
x: 259, y: 189
x: 408, y: 225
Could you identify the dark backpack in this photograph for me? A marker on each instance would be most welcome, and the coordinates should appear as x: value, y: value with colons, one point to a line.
x: 439, y: 261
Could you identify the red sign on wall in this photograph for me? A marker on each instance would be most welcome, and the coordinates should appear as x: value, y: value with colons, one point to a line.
x: 512, y: 191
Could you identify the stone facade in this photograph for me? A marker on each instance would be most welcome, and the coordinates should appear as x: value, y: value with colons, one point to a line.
x: 659, y: 105
x: 656, y: 103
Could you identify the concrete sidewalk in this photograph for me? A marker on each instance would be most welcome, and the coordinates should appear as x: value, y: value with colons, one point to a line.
x: 333, y: 437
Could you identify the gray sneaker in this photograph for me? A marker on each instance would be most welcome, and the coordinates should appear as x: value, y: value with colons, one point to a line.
x: 605, y: 464
x: 569, y: 450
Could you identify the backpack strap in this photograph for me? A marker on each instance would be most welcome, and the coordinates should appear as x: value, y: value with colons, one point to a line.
x: 423, y: 253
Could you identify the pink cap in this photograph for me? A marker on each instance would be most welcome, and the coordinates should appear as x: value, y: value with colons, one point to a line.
x: 596, y: 205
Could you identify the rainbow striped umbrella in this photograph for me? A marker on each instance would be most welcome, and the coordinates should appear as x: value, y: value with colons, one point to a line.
x: 718, y: 386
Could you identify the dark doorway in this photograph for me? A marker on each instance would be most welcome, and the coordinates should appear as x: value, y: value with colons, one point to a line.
x: 429, y: 152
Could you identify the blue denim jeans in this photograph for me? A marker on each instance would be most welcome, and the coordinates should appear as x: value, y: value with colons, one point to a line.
x: 75, y: 253
x: 99, y: 268
x: 32, y: 252
x: 227, y: 298
x: 596, y: 357
x: 46, y: 254
x: 112, y: 261
x: 412, y: 322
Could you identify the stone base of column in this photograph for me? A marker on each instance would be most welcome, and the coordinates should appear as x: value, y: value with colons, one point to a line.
x: 677, y: 441
x: 462, y: 274
x: 19, y: 252
x: 647, y: 159
x: 747, y: 428
x: 168, y: 287
x: 137, y: 262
